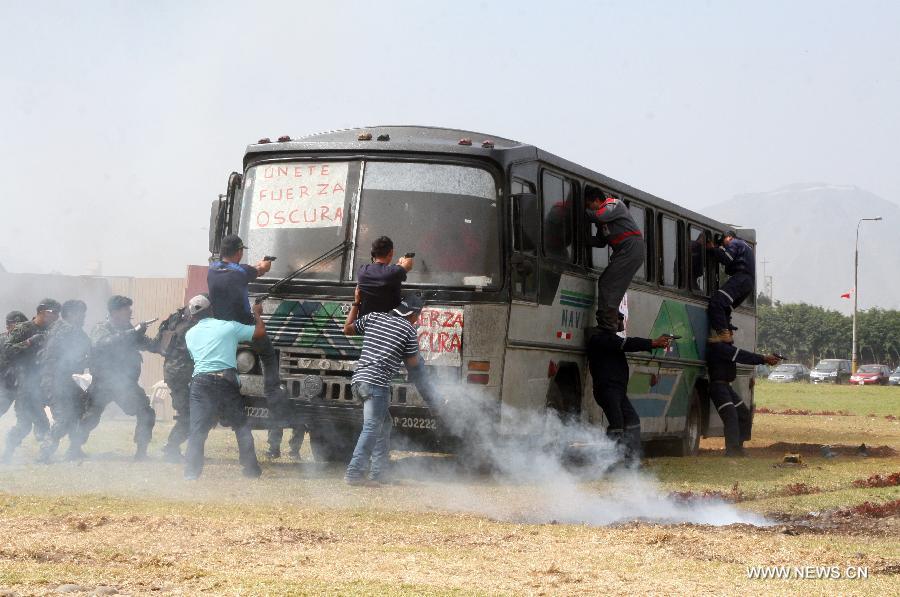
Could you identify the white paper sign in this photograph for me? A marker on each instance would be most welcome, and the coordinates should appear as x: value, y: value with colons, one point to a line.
x: 299, y: 195
x: 440, y: 336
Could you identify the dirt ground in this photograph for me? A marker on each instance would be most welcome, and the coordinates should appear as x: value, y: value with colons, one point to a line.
x: 109, y: 525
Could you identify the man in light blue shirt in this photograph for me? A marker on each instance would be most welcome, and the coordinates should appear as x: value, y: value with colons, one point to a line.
x: 215, y: 393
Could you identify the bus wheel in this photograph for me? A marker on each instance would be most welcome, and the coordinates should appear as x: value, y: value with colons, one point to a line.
x: 332, y: 443
x: 690, y: 441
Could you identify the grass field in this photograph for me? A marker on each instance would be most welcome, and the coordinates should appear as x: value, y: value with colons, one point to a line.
x: 140, y: 529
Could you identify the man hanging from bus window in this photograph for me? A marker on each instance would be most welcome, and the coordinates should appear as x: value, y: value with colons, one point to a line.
x: 380, y: 282
x: 722, y: 357
x: 609, y: 373
x: 21, y: 352
x: 740, y: 265
x: 215, y: 392
x: 388, y: 339
x: 618, y: 230
x: 228, y: 281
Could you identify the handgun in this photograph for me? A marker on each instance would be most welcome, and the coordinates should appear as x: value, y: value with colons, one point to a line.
x: 672, y: 336
x: 149, y: 322
x: 410, y: 255
x: 269, y: 258
x: 778, y: 356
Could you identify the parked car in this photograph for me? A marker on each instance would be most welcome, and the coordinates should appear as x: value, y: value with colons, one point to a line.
x: 871, y: 375
x: 835, y: 371
x: 894, y: 379
x: 789, y: 372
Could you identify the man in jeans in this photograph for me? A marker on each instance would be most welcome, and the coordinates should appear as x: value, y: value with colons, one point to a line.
x: 388, y: 339
x: 215, y: 393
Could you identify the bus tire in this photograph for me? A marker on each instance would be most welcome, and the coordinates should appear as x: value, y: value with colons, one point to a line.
x: 332, y: 443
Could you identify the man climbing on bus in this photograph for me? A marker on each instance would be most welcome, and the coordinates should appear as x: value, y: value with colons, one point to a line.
x: 618, y: 230
x: 609, y: 373
x: 722, y: 357
x: 380, y: 282
x: 740, y: 265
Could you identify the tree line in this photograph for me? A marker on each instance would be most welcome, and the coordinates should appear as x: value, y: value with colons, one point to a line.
x: 806, y: 333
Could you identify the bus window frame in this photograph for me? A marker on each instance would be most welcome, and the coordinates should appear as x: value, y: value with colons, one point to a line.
x: 705, y: 292
x: 648, y: 235
x: 680, y: 277
x: 528, y: 260
x: 572, y: 261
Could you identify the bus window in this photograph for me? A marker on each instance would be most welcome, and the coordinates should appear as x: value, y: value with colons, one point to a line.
x: 697, y: 263
x: 526, y: 225
x: 558, y: 216
x: 598, y: 257
x: 639, y: 214
x: 670, y: 236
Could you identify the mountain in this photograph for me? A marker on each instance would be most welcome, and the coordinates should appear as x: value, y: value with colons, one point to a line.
x: 807, y: 232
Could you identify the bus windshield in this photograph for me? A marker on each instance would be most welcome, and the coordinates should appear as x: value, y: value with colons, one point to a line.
x: 445, y: 214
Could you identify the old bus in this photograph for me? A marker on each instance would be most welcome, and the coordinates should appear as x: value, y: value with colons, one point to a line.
x: 499, y: 233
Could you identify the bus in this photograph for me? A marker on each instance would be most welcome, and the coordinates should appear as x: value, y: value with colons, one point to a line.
x: 500, y: 236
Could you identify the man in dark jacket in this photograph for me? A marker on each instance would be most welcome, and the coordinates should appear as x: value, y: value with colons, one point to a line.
x: 618, y: 230
x: 609, y: 373
x: 64, y: 354
x: 21, y: 352
x: 115, y: 363
x: 380, y: 282
x: 178, y: 368
x: 740, y: 265
x: 7, y: 372
x: 722, y: 357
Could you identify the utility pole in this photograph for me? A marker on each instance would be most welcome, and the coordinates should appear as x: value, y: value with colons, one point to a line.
x: 765, y: 278
x: 853, y: 355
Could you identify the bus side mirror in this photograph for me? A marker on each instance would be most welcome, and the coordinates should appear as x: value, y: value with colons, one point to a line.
x: 222, y: 212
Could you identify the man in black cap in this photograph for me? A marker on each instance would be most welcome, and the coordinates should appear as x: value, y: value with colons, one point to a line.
x: 721, y: 359
x: 115, y: 363
x: 228, y: 281
x: 389, y: 339
x: 740, y: 265
x: 7, y: 373
x: 64, y: 354
x: 21, y: 352
x: 609, y: 373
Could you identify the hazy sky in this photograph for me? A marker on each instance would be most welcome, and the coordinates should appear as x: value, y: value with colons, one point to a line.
x: 120, y: 121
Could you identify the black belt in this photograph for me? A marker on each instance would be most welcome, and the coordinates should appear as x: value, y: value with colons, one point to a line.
x: 229, y: 374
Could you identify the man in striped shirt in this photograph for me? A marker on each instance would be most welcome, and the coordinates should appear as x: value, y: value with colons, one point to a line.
x: 388, y: 339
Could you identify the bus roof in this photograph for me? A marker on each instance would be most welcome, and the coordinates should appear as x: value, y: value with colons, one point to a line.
x: 428, y: 139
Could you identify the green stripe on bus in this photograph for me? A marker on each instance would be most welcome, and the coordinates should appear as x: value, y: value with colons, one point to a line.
x: 573, y: 294
x: 574, y: 304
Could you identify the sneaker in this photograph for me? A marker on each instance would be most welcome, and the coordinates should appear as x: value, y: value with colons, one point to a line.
x: 361, y: 482
x: 172, y: 455
x: 252, y: 472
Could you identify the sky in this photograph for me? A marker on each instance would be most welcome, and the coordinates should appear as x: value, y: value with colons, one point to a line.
x: 120, y: 121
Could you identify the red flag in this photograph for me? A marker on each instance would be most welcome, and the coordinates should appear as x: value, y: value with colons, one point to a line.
x: 846, y: 295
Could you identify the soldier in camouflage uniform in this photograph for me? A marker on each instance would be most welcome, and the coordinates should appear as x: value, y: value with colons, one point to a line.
x: 178, y: 369
x: 21, y: 352
x: 115, y: 363
x: 64, y: 353
x: 7, y: 373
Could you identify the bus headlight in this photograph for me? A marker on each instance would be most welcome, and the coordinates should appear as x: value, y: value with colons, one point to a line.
x: 246, y: 361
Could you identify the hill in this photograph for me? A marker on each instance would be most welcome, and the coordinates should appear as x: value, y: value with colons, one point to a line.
x: 806, y: 232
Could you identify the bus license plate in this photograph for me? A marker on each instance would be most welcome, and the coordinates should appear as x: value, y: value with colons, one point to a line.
x: 415, y: 422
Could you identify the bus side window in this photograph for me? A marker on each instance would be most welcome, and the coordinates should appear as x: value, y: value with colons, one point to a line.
x: 697, y: 263
x: 639, y: 213
x: 557, y: 197
x: 526, y: 227
x: 671, y: 238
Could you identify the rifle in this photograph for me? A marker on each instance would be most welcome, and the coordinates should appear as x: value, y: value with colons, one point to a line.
x: 326, y: 256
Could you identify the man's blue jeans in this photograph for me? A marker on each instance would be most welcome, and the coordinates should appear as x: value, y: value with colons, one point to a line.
x: 217, y: 398
x: 375, y: 438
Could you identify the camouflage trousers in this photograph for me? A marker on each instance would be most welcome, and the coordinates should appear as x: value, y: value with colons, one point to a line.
x: 131, y: 399
x: 180, y: 392
x: 29, y: 409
